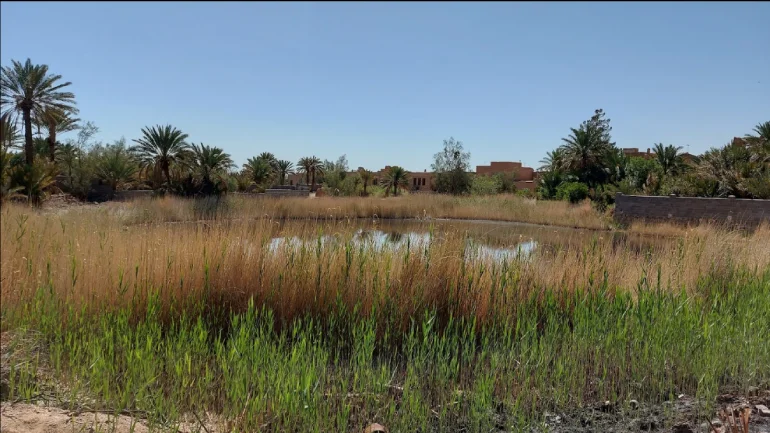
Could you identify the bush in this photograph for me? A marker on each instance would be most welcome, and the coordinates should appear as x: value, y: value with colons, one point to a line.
x: 485, y: 185
x: 574, y: 192
x: 603, y: 196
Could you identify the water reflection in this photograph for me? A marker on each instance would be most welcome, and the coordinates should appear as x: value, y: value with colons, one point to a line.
x: 483, y: 239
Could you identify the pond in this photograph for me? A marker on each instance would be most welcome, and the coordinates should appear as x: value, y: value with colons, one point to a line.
x: 500, y: 240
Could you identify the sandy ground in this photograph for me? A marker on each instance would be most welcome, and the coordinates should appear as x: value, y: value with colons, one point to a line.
x: 32, y: 418
x: 29, y: 418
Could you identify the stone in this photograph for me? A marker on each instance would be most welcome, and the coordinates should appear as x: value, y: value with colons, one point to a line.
x: 763, y: 410
x: 375, y: 428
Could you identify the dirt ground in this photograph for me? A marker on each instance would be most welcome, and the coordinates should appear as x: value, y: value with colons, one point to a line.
x: 32, y: 418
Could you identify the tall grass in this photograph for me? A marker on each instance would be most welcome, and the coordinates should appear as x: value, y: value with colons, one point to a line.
x: 166, y: 320
x: 498, y: 208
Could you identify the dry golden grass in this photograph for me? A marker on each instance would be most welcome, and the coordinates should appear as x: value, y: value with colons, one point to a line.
x: 503, y: 207
x: 91, y: 257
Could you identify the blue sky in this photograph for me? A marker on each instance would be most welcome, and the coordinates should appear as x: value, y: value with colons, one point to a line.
x: 386, y: 83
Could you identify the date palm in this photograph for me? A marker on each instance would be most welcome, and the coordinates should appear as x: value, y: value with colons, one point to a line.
x: 311, y: 166
x: 56, y: 120
x: 208, y: 161
x: 160, y: 147
x: 396, y: 178
x: 668, y: 158
x: 116, y: 166
x: 258, y: 170
x: 366, y: 177
x: 9, y: 133
x: 270, y: 159
x: 583, y: 151
x: 30, y: 89
x: 285, y: 168
x: 553, y: 161
x: 762, y: 131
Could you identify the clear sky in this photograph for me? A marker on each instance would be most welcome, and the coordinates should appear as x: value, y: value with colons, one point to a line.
x: 386, y: 83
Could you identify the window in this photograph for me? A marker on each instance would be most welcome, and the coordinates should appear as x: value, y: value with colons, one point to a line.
x: 423, y: 181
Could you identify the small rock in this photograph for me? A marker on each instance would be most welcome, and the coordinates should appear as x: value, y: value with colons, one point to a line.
x: 681, y: 396
x: 375, y: 428
x: 634, y: 404
x: 763, y: 410
x: 753, y: 390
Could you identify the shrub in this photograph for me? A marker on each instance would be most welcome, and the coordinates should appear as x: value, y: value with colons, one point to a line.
x: 574, y: 192
x: 485, y: 185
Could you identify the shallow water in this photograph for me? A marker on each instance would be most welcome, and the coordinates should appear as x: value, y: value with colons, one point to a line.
x: 502, y: 241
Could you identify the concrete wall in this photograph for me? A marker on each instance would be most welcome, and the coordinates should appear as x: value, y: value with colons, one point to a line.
x: 722, y: 210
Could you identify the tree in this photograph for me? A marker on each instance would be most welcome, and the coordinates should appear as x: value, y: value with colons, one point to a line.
x: 209, y: 161
x: 9, y: 134
x: 638, y: 171
x: 258, y: 170
x: 116, y: 166
x: 553, y: 160
x: 30, y: 89
x: 451, y: 167
x: 583, y: 152
x: 270, y: 159
x: 762, y: 137
x: 311, y: 166
x: 668, y: 158
x: 55, y: 120
x: 396, y: 178
x: 366, y: 177
x: 160, y: 147
x: 285, y: 168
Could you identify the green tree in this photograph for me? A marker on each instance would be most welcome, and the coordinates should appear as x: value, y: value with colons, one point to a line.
x: 56, y: 121
x: 30, y: 89
x: 553, y: 161
x: 668, y: 158
x: 366, y: 177
x: 258, y: 170
x: 638, y: 170
x: 208, y: 163
x: 116, y: 166
x: 285, y: 168
x: 161, y: 147
x: 311, y: 166
x: 270, y: 159
x: 583, y: 153
x: 396, y: 178
x: 451, y: 167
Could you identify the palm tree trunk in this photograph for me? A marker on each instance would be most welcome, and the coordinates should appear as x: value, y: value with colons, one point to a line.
x: 52, y: 142
x: 29, y: 150
x: 312, y: 182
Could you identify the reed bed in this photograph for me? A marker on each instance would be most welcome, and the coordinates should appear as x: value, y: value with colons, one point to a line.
x: 503, y: 207
x: 326, y: 334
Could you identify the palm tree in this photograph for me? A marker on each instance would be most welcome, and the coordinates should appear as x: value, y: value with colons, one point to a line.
x: 553, y: 161
x: 316, y: 168
x: 116, y: 167
x: 258, y: 170
x: 56, y: 120
x: 9, y: 134
x: 396, y: 178
x: 583, y: 151
x: 209, y: 160
x: 270, y: 159
x: 762, y: 131
x: 29, y: 89
x: 311, y: 166
x: 668, y: 158
x: 285, y: 168
x: 366, y: 177
x: 160, y: 147
x: 304, y: 166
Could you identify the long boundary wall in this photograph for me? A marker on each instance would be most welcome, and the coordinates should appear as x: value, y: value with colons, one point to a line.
x: 683, y: 209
